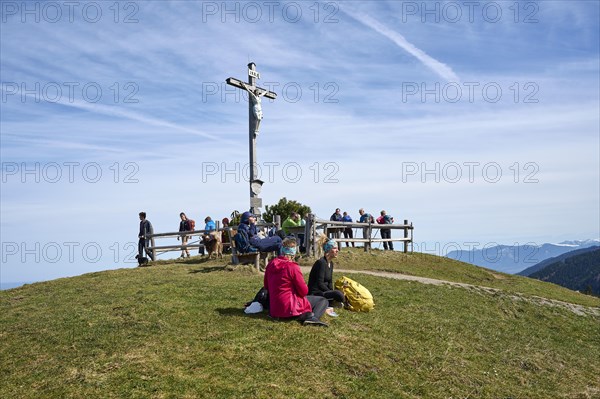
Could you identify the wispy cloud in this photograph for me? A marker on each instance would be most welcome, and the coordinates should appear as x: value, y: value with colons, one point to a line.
x: 130, y: 115
x: 436, y: 66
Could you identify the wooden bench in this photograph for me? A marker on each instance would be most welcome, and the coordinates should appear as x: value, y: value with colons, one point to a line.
x: 254, y: 258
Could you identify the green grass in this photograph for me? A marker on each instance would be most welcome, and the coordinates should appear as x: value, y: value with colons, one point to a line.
x: 425, y: 265
x: 177, y: 330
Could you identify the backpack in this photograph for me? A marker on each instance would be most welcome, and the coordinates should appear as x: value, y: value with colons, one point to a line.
x: 242, y: 244
x: 262, y: 297
x: 358, y: 298
x: 191, y: 224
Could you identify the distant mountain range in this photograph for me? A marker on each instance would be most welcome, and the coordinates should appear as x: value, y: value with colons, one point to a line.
x: 577, y: 270
x: 535, y: 268
x: 513, y: 259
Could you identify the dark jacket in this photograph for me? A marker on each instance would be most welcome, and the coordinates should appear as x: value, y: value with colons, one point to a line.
x: 336, y: 217
x: 320, y: 278
x: 145, y: 227
x: 184, y: 225
x: 248, y: 229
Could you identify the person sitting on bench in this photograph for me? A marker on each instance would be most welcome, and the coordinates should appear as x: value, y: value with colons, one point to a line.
x: 247, y: 228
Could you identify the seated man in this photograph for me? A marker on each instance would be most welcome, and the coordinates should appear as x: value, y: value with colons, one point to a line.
x: 247, y: 228
x: 294, y: 221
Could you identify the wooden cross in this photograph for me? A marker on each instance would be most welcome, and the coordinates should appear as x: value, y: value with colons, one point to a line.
x: 254, y: 119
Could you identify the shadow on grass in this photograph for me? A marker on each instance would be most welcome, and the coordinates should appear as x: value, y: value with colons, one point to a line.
x: 208, y: 269
x: 238, y: 312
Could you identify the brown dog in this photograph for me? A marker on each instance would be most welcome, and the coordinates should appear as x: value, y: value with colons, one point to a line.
x: 212, y: 243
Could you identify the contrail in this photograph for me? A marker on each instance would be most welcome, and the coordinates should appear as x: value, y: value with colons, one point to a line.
x: 439, y: 68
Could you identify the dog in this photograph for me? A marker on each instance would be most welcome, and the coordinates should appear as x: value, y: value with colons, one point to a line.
x: 142, y: 260
x: 212, y: 243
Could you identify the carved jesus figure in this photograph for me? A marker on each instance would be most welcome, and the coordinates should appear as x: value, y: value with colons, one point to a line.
x: 255, y: 98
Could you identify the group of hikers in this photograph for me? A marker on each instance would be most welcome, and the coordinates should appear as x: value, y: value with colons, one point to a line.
x: 249, y: 239
x: 365, y: 217
x: 185, y: 225
x: 284, y: 292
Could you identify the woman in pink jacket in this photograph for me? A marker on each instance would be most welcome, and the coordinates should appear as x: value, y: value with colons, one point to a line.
x: 288, y: 292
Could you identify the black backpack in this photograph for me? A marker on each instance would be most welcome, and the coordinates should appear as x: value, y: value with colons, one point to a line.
x: 242, y: 244
x: 262, y: 297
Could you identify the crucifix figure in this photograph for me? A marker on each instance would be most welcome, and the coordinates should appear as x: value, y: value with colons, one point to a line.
x: 254, y: 97
x: 255, y: 116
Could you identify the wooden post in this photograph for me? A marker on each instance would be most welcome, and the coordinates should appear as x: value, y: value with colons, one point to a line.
x: 151, y: 242
x: 307, y: 231
x: 306, y: 242
x: 368, y: 237
x: 277, y: 220
x: 234, y: 258
x: 405, y: 235
x: 313, y: 235
x: 412, y: 248
x: 252, y: 140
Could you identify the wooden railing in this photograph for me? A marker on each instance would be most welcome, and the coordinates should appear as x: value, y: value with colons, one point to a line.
x: 336, y: 228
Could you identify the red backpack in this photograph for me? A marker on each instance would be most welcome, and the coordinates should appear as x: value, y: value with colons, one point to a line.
x: 191, y: 224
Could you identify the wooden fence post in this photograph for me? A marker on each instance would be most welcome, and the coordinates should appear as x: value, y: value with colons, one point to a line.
x: 412, y: 248
x: 369, y: 232
x: 405, y: 235
x: 307, y: 231
x: 313, y: 234
x: 152, y: 243
x: 234, y: 258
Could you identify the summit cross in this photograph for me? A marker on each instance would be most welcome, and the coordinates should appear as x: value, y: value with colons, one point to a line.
x: 255, y: 116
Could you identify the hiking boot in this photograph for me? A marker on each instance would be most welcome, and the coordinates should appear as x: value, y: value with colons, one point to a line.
x: 314, y: 322
x: 306, y: 316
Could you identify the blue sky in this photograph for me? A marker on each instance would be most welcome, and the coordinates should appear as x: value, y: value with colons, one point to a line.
x: 477, y: 124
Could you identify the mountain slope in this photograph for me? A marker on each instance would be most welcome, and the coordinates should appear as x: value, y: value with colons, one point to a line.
x: 515, y: 258
x: 549, y: 261
x: 178, y: 330
x: 579, y: 272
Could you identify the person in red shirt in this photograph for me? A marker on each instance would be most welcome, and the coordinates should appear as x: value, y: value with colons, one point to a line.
x: 288, y: 293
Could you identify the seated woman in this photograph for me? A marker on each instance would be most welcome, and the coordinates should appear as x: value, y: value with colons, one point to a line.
x: 288, y: 292
x: 320, y: 280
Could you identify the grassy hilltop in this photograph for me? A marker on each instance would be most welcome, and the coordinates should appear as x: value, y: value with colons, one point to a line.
x: 177, y: 330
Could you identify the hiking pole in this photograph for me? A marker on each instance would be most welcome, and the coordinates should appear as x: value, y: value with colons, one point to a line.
x: 378, y: 244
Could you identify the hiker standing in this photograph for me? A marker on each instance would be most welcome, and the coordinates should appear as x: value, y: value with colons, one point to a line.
x: 144, y: 243
x: 386, y: 233
x: 348, y: 230
x: 365, y: 218
x: 184, y: 225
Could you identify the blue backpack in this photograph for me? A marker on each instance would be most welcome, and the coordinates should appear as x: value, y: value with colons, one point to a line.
x: 242, y: 244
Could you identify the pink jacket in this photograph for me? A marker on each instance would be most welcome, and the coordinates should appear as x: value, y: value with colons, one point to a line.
x: 287, y: 289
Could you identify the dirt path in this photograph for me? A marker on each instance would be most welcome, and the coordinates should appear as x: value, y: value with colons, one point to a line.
x: 577, y: 309
x: 399, y: 276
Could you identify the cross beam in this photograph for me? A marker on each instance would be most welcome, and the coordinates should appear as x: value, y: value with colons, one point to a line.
x: 238, y: 83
